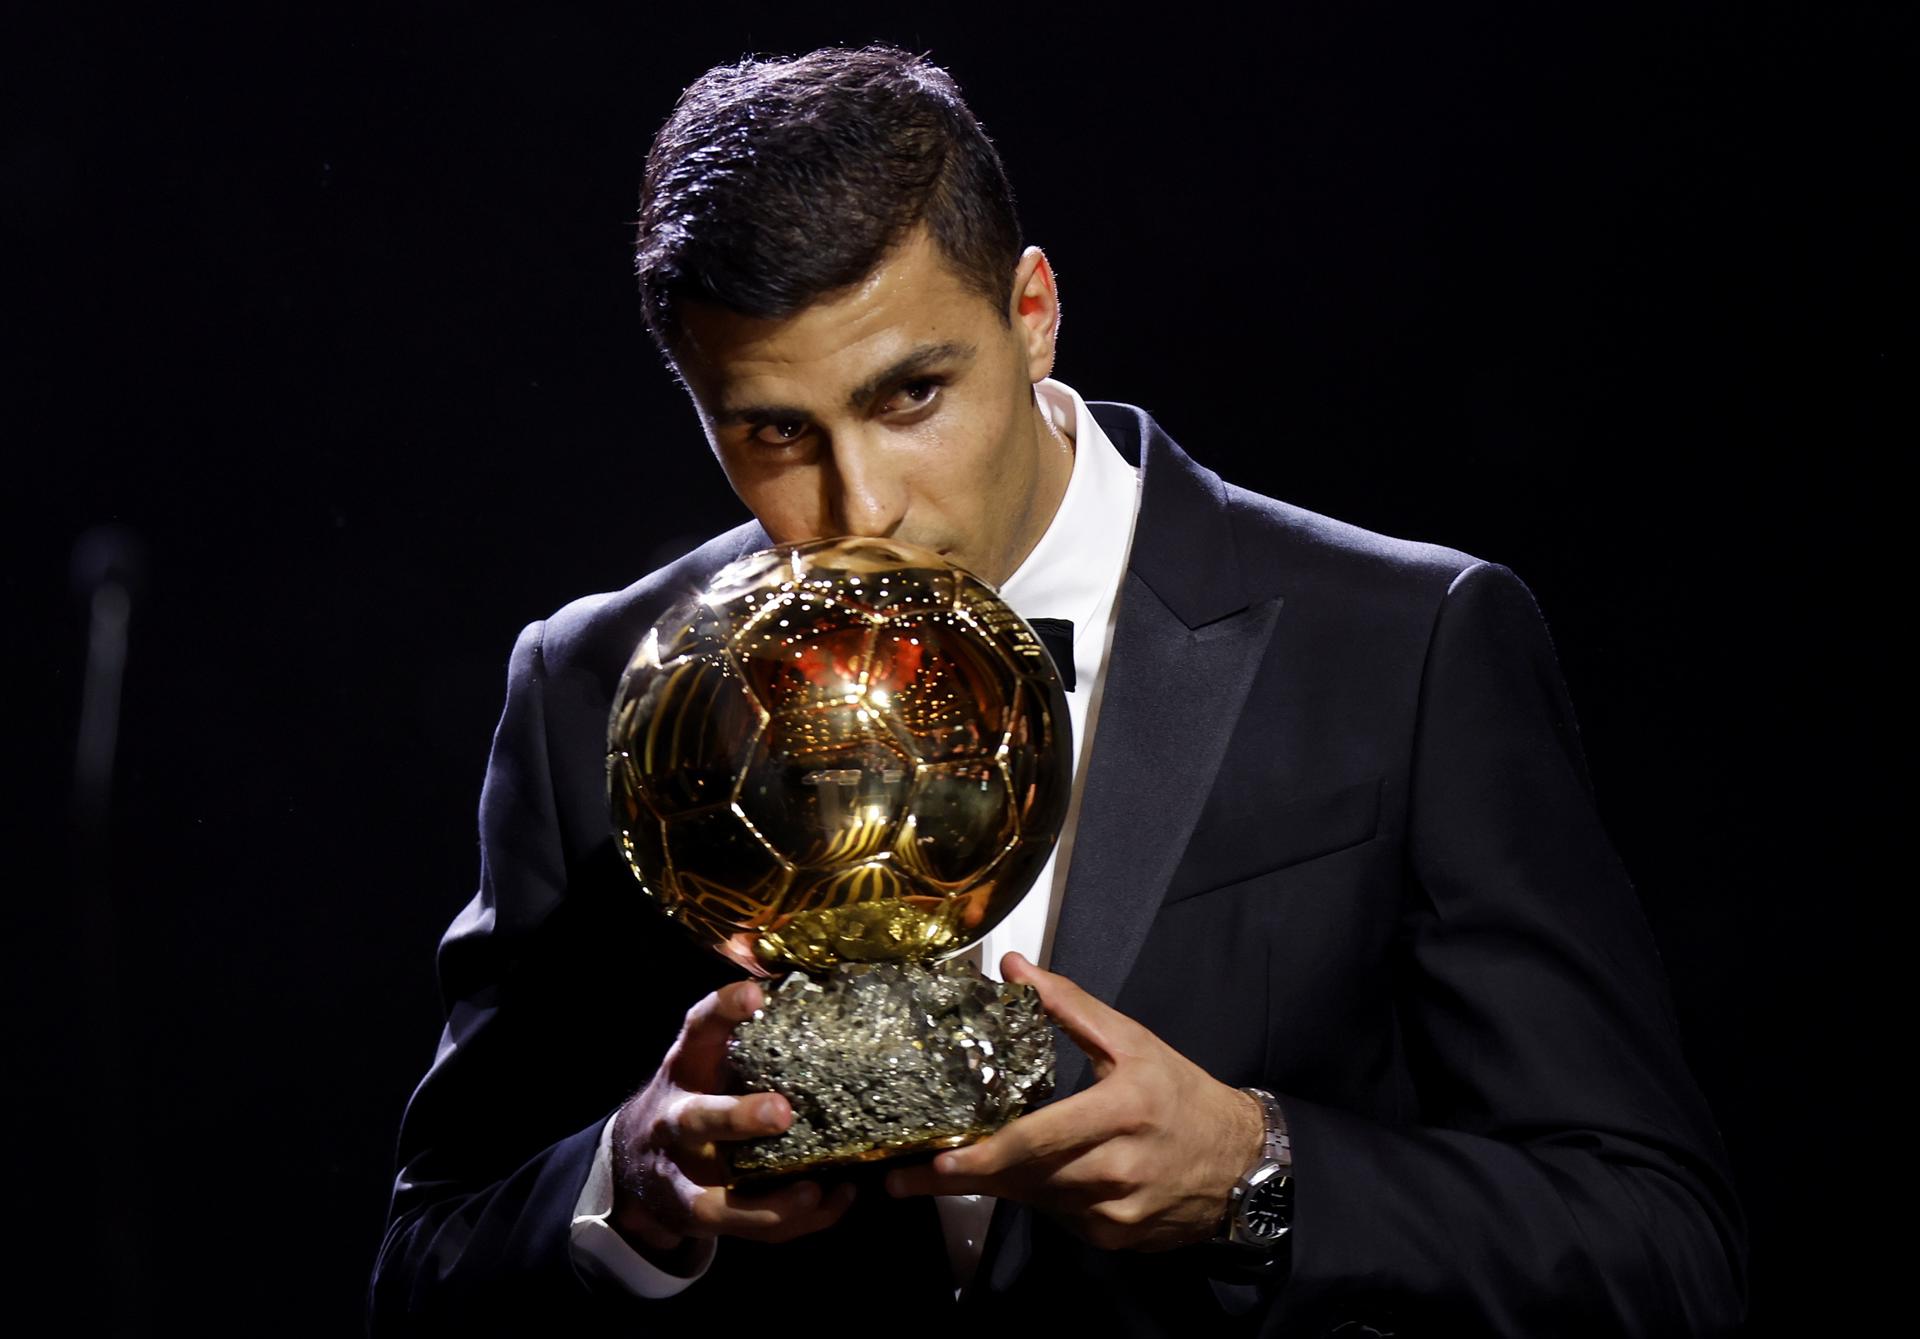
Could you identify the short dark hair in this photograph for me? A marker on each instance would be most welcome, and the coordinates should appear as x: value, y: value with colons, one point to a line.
x: 775, y: 182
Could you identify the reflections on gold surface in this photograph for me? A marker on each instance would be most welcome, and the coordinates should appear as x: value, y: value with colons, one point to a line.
x: 842, y: 751
x: 888, y: 929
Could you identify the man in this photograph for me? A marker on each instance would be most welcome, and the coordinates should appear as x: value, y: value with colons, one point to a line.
x: 1333, y: 905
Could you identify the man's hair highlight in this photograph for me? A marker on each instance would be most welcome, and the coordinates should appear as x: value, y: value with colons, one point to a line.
x: 777, y: 182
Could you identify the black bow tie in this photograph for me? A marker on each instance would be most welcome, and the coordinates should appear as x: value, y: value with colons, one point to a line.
x: 1056, y: 634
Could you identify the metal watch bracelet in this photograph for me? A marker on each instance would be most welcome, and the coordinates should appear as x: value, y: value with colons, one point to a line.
x: 1268, y: 1183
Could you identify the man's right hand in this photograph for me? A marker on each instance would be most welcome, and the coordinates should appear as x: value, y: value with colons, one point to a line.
x: 669, y: 1168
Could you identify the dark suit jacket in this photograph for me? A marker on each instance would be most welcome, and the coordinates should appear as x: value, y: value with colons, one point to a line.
x: 1337, y: 841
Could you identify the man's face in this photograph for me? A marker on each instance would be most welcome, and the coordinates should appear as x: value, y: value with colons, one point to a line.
x: 902, y: 407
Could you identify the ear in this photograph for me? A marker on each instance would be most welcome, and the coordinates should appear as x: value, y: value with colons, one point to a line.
x: 1035, y: 311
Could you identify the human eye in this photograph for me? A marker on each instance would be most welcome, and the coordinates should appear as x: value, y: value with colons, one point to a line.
x: 779, y: 432
x: 914, y: 396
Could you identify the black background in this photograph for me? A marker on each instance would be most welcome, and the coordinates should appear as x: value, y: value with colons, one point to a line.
x: 335, y: 312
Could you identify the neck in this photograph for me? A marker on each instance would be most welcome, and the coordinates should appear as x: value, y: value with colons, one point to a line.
x: 1053, y: 448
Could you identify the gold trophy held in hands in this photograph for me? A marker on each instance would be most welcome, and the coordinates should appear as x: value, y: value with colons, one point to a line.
x: 845, y: 762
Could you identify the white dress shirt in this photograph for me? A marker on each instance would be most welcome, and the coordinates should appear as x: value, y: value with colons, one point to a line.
x: 1074, y: 572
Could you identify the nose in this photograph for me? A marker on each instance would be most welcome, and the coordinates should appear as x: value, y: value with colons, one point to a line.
x: 866, y: 488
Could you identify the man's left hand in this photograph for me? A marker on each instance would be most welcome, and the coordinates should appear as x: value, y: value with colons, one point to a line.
x: 1144, y: 1159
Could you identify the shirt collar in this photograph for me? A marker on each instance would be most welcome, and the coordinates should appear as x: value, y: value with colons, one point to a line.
x: 1078, y: 563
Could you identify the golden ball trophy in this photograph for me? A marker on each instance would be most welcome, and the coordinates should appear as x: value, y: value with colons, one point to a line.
x: 846, y: 761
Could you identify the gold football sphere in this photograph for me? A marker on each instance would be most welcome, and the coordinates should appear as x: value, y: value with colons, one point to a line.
x: 847, y: 750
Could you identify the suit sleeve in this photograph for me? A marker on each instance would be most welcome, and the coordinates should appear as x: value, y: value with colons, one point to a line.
x: 1566, y: 1176
x: 498, y: 1139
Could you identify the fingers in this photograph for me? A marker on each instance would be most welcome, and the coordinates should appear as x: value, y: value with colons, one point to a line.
x: 703, y: 1118
x: 699, y: 1054
x: 926, y: 1179
x: 775, y: 1215
x: 1064, y: 1126
x: 1100, y: 1031
x: 714, y: 1017
x: 1013, y: 1158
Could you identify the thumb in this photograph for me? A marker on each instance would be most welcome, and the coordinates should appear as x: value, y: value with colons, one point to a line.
x: 698, y: 1057
x: 1094, y: 1027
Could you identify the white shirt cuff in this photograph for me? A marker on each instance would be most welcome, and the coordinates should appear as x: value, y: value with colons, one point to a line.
x: 601, y: 1253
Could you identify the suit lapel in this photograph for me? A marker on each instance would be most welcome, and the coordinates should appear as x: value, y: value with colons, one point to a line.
x: 1173, y: 697
x: 1185, y: 650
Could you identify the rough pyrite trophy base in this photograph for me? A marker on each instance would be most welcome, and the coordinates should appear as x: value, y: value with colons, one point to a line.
x: 881, y: 1059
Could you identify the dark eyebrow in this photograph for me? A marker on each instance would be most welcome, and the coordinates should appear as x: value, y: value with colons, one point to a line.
x: 916, y: 363
x: 921, y: 360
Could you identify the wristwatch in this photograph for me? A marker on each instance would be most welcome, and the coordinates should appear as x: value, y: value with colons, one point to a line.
x: 1260, y: 1209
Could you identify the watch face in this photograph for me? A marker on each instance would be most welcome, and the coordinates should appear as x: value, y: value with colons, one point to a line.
x: 1267, y: 1211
